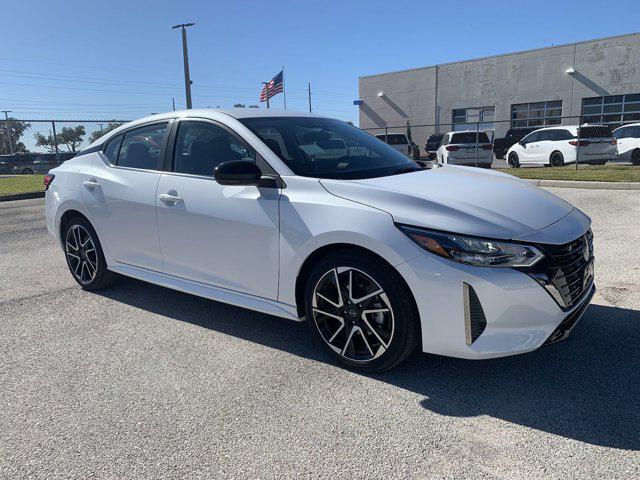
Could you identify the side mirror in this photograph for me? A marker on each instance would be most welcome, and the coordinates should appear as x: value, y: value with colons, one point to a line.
x: 237, y: 172
x: 522, y: 144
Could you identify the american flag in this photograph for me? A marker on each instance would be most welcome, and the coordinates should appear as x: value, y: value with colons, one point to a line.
x: 276, y: 85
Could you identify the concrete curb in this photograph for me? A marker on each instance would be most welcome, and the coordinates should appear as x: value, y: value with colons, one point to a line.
x: 21, y: 196
x: 587, y: 185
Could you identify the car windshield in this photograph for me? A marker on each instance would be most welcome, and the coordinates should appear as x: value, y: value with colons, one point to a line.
x: 328, y: 148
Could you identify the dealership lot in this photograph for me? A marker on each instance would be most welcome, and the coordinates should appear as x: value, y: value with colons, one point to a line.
x: 141, y: 381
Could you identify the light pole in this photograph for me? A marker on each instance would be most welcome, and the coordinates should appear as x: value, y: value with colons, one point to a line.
x: 185, y: 56
x: 6, y: 129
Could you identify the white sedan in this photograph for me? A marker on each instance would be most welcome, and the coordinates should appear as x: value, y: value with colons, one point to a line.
x: 379, y: 254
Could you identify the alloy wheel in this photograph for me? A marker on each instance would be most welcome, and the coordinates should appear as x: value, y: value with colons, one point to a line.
x: 353, y: 314
x: 81, y: 254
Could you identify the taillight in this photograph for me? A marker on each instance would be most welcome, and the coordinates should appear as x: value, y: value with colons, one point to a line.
x: 614, y: 142
x: 452, y: 148
x: 583, y: 143
x: 48, y: 178
x: 487, y: 147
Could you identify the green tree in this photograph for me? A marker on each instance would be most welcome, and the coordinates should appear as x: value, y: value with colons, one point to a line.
x: 239, y: 105
x: 71, y: 137
x: 45, y: 141
x: 254, y: 106
x: 349, y: 122
x: 10, y: 132
x: 95, y: 135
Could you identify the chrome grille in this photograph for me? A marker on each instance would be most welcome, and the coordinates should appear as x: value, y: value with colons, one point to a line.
x: 566, y: 272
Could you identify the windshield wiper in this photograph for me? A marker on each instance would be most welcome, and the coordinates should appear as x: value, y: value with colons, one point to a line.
x: 412, y: 168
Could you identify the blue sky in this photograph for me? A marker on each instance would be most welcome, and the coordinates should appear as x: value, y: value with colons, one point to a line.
x: 120, y: 59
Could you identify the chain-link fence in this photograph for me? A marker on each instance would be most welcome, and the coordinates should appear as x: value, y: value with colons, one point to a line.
x: 608, y: 143
x: 30, y: 148
x: 585, y: 142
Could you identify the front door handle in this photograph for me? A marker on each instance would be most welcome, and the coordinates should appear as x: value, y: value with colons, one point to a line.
x: 170, y: 199
x: 91, y: 184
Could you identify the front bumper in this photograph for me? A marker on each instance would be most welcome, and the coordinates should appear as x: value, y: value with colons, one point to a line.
x: 520, y: 314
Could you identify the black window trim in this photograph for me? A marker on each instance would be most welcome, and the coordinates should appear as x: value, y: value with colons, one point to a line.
x: 163, y: 149
x: 266, y: 168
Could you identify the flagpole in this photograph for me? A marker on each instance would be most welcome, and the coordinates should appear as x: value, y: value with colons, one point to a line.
x: 284, y: 92
x: 266, y: 90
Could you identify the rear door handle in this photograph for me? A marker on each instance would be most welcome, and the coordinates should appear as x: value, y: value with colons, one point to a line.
x: 91, y: 184
x: 170, y: 199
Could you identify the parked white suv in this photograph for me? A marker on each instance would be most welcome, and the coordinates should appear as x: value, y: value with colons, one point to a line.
x: 628, y: 137
x: 557, y: 146
x: 268, y: 211
x: 398, y: 141
x: 465, y: 148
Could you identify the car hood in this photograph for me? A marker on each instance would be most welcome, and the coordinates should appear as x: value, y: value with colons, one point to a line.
x: 463, y: 200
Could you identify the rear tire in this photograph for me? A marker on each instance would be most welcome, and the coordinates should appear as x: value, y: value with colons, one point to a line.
x: 513, y: 160
x: 556, y: 159
x: 84, y: 255
x: 361, y: 329
x: 635, y: 157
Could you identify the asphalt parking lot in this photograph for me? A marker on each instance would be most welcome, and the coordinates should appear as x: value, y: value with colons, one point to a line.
x: 141, y: 381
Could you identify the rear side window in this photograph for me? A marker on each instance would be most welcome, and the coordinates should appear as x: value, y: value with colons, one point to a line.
x: 112, y: 149
x: 469, y: 137
x: 597, y: 131
x: 141, y: 147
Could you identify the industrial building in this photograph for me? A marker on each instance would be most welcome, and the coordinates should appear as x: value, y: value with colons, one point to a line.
x: 596, y: 79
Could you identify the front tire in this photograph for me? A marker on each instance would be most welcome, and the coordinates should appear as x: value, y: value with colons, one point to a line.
x: 84, y: 255
x: 556, y: 159
x: 513, y: 160
x: 362, y: 312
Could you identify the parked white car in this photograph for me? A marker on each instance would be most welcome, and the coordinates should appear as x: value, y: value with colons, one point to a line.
x: 557, y: 146
x: 379, y: 254
x: 463, y: 148
x: 398, y: 141
x: 628, y: 137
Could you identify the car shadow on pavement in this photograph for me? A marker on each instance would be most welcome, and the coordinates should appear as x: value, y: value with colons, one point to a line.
x: 585, y: 388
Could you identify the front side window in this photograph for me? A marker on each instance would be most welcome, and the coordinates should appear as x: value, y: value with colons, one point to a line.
x: 141, y: 147
x: 532, y: 137
x: 201, y: 146
x: 328, y: 148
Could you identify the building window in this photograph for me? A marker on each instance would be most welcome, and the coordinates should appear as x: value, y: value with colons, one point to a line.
x: 537, y: 113
x: 469, y: 118
x: 613, y: 109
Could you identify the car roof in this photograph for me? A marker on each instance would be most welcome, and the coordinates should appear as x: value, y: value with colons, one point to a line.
x: 628, y: 125
x: 220, y: 114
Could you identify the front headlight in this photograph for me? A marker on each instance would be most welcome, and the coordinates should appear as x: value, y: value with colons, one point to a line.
x: 479, y: 252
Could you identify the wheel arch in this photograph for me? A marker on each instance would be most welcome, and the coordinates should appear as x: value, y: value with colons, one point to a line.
x: 65, y: 218
x: 314, y: 257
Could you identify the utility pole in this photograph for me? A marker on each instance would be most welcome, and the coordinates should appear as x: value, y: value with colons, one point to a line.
x: 266, y: 91
x: 6, y: 129
x: 173, y: 101
x: 185, y: 57
x: 309, y: 95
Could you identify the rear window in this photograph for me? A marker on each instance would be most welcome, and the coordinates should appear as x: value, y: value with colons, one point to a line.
x: 597, y: 131
x: 469, y: 137
x: 434, y: 140
x: 394, y: 138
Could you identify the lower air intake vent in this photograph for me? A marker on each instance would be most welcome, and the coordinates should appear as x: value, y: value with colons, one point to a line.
x: 474, y: 320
